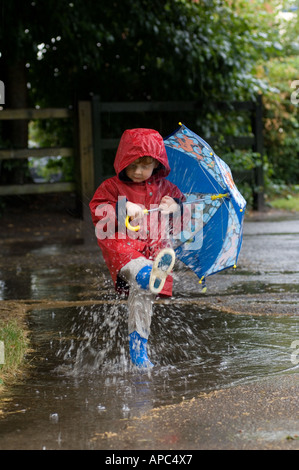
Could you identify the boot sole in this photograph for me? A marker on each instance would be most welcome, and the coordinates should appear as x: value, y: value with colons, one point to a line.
x: 162, y: 266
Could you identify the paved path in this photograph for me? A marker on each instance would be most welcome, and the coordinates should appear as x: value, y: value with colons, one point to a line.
x: 260, y: 415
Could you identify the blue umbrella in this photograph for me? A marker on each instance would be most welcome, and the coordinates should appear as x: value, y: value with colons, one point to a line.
x: 212, y: 240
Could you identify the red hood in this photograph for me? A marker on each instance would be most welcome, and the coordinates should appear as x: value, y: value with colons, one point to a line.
x: 136, y: 143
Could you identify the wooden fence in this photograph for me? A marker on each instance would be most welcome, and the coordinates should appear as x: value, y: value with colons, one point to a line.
x: 102, y: 112
x: 81, y: 151
x: 90, y: 144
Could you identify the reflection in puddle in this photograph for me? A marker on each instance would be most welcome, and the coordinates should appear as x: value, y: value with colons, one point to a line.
x: 82, y: 383
x: 255, y: 287
x: 193, y: 350
x: 46, y: 282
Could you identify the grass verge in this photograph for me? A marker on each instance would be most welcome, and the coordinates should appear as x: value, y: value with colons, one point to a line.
x: 289, y: 203
x: 13, y: 347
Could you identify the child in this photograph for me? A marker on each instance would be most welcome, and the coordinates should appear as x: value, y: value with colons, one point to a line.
x: 138, y: 261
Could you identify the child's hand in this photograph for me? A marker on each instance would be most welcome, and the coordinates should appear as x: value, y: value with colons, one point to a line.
x: 168, y: 205
x: 133, y: 210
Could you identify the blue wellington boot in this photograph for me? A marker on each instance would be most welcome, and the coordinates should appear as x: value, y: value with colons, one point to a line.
x: 154, y: 277
x: 138, y: 351
x: 143, y: 277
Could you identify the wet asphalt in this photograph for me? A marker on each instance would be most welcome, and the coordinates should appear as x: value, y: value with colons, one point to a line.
x: 261, y: 413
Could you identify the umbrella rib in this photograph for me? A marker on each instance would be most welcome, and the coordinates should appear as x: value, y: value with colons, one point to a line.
x: 209, y: 178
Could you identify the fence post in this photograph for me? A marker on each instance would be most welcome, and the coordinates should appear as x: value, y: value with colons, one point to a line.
x: 97, y: 133
x: 86, y: 163
x: 257, y: 127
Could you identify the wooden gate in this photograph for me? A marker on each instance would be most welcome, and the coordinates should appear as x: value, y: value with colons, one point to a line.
x: 91, y: 143
x: 104, y: 111
x: 81, y: 151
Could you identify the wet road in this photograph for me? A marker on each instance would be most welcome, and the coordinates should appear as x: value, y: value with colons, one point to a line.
x: 82, y: 392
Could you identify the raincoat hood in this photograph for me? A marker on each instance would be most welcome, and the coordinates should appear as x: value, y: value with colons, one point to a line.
x: 140, y: 142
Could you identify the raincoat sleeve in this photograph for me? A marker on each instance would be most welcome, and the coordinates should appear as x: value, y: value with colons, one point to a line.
x: 104, y: 206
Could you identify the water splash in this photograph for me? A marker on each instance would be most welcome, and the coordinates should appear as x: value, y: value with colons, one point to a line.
x: 192, y: 349
x: 97, y: 341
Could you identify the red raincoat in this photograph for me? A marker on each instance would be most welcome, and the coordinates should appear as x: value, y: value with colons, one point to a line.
x: 118, y: 245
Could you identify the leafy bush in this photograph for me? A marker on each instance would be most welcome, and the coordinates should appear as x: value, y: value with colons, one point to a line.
x: 243, y: 164
x: 281, y: 124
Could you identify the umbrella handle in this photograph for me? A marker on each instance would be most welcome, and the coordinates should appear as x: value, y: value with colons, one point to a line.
x: 136, y: 228
x: 219, y: 196
x: 132, y: 227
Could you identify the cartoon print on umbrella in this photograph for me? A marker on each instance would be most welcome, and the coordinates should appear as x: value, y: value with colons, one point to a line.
x: 204, y: 177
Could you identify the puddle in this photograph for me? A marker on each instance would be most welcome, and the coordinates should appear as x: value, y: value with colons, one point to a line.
x: 187, y: 344
x: 52, y: 272
x: 256, y: 287
x: 82, y: 383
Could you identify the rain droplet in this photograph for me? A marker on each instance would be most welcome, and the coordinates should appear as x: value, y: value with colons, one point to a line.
x: 101, y: 408
x: 54, y: 417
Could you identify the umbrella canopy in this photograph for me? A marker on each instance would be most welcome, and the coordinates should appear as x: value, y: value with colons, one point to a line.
x: 213, y: 239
